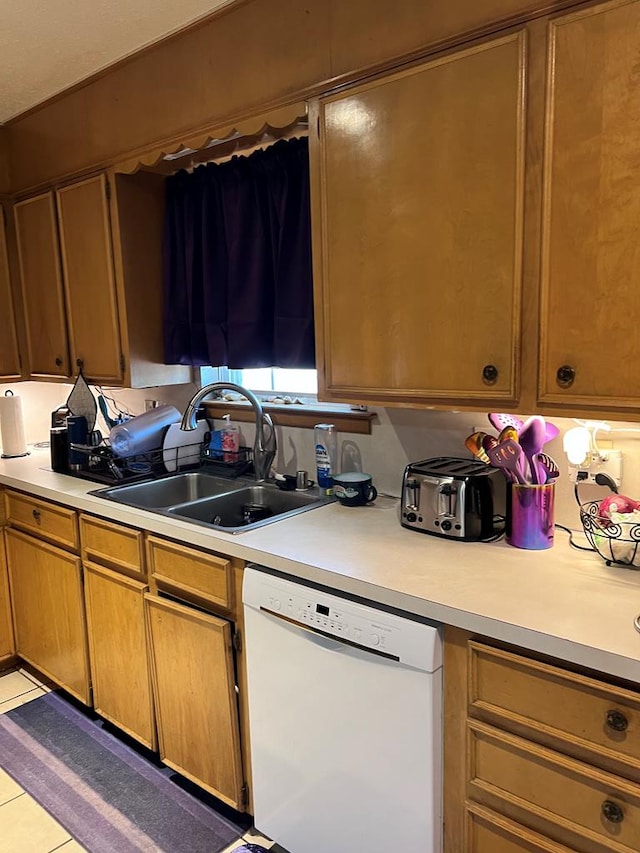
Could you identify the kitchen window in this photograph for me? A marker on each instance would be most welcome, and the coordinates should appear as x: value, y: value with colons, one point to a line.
x: 288, y: 395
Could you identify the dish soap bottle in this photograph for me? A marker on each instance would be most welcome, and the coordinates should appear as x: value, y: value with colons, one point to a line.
x: 230, y: 441
x: 326, y: 442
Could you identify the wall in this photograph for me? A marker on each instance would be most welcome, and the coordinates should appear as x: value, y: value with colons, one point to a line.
x: 398, y: 436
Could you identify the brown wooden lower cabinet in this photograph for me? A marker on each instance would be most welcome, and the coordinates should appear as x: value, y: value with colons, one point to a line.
x: 7, y: 644
x: 538, y: 756
x: 118, y: 652
x: 48, y: 611
x: 195, y: 695
x: 489, y: 832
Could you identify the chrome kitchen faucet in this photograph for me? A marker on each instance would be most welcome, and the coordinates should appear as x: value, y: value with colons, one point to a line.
x: 264, y: 450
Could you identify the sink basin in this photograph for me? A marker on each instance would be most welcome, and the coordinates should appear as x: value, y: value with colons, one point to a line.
x: 169, y: 491
x: 230, y: 505
x: 248, y: 507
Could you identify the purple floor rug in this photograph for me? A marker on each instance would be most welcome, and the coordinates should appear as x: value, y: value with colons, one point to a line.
x: 109, y: 798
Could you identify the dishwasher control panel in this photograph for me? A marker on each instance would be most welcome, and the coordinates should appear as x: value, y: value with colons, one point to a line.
x: 362, y: 625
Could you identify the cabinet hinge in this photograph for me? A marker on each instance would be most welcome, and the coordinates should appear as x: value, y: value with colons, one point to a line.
x: 244, y: 795
x: 237, y: 641
x: 318, y: 123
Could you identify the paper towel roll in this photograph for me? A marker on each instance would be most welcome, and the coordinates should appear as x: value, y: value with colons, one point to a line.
x: 14, y: 442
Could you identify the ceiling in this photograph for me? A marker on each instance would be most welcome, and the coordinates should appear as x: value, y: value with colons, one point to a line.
x: 48, y: 45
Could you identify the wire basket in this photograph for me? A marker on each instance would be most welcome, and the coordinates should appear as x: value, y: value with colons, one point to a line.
x: 617, y: 542
x: 227, y: 463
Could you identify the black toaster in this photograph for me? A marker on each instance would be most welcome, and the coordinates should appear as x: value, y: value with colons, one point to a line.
x: 454, y: 498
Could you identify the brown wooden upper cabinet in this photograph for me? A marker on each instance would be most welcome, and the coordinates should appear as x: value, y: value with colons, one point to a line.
x: 417, y: 206
x: 10, y: 367
x: 69, y: 294
x: 91, y: 268
x: 90, y: 288
x: 590, y: 307
x: 42, y: 290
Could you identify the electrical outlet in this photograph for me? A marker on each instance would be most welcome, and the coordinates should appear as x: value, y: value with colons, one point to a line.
x: 605, y: 462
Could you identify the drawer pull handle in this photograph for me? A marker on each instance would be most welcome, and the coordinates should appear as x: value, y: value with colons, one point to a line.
x: 617, y: 721
x: 612, y: 812
x: 36, y: 514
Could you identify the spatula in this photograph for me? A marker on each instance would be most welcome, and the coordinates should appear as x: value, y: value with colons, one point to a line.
x: 506, y: 455
x: 548, y: 466
x: 532, y: 438
x: 500, y: 421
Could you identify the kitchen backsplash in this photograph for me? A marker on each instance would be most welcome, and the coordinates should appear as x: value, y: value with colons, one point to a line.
x: 398, y: 436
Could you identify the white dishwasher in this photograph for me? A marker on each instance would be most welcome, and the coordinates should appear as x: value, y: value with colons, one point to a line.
x: 345, y: 712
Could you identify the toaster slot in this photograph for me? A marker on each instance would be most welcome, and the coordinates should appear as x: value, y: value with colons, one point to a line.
x: 412, y: 494
x: 448, y: 499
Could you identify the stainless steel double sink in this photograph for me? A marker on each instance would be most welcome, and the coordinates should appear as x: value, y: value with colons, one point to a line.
x: 233, y: 506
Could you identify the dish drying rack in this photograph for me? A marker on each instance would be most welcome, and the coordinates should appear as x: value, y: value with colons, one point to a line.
x: 103, y: 466
x: 615, y: 541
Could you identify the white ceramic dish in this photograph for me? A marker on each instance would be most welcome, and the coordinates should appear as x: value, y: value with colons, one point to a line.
x: 182, y: 447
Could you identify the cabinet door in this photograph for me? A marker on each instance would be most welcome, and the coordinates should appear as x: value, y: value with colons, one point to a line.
x: 417, y: 204
x: 92, y: 309
x: 7, y: 646
x: 591, y: 251
x: 9, y: 355
x: 42, y: 292
x: 194, y: 689
x: 48, y: 611
x: 118, y: 651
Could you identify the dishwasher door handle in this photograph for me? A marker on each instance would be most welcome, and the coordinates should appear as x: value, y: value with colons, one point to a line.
x: 327, y: 641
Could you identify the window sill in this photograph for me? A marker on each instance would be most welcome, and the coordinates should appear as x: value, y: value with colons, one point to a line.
x: 304, y: 417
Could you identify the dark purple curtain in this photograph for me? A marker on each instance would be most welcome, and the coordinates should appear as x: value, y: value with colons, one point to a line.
x: 238, y: 287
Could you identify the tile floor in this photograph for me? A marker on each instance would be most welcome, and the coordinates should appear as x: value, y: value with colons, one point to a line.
x: 25, y: 827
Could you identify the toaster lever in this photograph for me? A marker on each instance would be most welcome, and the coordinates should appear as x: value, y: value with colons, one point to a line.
x: 412, y: 494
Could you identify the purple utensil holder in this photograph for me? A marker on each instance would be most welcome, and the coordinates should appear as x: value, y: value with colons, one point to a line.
x: 530, y: 516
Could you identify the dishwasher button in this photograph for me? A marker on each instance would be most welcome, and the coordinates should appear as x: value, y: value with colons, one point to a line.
x: 374, y: 639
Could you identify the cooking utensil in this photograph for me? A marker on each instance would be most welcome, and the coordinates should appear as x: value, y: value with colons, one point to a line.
x: 473, y: 443
x: 548, y: 466
x: 500, y: 421
x: 532, y: 438
x: 507, y: 455
x: 510, y: 433
x: 488, y: 442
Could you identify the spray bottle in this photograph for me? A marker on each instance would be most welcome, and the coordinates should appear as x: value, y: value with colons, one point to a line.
x: 326, y: 442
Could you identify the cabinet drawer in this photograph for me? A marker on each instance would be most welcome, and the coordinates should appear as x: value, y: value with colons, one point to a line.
x: 489, y: 832
x: 572, y: 712
x: 112, y: 545
x: 572, y: 802
x: 197, y: 574
x: 43, y: 519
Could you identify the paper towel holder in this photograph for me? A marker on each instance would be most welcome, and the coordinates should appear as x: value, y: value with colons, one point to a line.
x: 9, y: 393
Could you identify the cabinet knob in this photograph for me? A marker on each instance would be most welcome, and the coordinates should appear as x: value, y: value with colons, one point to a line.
x: 616, y: 721
x: 80, y: 363
x: 565, y: 376
x: 489, y: 374
x: 612, y: 812
x: 58, y: 362
x: 36, y: 515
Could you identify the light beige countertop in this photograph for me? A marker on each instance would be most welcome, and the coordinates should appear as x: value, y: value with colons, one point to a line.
x: 561, y: 602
